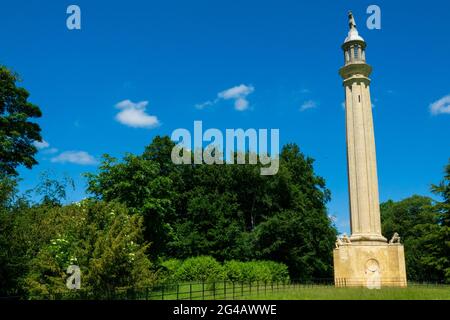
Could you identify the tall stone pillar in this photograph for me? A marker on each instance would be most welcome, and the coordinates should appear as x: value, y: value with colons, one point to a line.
x: 366, y: 257
x: 361, y: 157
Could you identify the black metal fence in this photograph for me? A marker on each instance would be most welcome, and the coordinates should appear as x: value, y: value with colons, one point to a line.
x: 214, y: 290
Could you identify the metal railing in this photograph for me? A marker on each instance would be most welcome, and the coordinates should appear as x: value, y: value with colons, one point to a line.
x: 208, y: 290
x: 215, y: 290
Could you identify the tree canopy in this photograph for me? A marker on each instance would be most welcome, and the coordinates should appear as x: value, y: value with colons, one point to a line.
x: 226, y: 211
x: 423, y: 224
x: 17, y: 131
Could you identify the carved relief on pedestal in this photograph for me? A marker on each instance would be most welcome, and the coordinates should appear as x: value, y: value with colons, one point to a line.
x: 373, y: 274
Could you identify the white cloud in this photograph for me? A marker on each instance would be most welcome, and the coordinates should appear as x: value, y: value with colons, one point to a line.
x: 41, y: 144
x: 75, y: 157
x: 238, y: 94
x: 50, y: 151
x: 310, y: 104
x: 134, y: 115
x: 441, y: 106
x: 241, y: 104
x: 206, y: 104
x: 44, y: 147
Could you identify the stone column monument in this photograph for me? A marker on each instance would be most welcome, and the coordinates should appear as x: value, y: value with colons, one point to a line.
x: 365, y: 258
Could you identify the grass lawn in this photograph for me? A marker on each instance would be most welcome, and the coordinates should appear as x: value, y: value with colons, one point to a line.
x: 413, y: 292
x: 245, y: 291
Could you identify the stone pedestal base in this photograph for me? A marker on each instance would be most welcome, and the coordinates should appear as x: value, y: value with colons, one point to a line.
x: 371, y: 265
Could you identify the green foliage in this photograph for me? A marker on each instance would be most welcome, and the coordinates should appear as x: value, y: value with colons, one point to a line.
x: 208, y: 269
x: 119, y: 257
x: 51, y: 190
x: 167, y: 270
x: 425, y: 230
x: 101, y: 238
x: 8, y: 191
x: 203, y: 268
x: 439, y: 242
x: 406, y: 215
x: 256, y: 271
x: 5, y: 269
x: 414, y: 219
x: 226, y: 211
x: 17, y: 132
x: 443, y: 190
x: 22, y: 234
x: 137, y: 183
x: 301, y: 241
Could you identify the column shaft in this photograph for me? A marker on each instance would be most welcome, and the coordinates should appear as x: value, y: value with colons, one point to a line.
x: 361, y: 162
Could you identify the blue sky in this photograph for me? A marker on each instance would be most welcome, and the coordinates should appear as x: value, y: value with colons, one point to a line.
x: 167, y: 57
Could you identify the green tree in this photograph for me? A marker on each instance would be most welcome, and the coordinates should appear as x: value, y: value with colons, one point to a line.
x: 137, y: 183
x: 440, y: 248
x: 51, y: 190
x: 101, y: 238
x: 12, y: 252
x: 405, y: 215
x: 22, y: 234
x: 225, y: 211
x: 8, y: 191
x: 424, y: 225
x: 414, y: 218
x: 443, y: 190
x: 299, y: 232
x: 17, y: 132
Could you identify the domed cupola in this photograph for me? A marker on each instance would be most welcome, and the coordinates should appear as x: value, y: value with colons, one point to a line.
x: 354, y: 45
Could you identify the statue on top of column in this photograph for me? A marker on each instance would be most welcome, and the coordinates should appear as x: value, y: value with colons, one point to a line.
x: 351, y: 20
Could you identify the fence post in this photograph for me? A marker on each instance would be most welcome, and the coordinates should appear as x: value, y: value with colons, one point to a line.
x: 190, y: 291
x: 242, y: 288
x: 214, y: 290
x: 203, y: 290
x: 162, y: 293
x: 224, y: 289
x: 146, y: 293
x: 250, y: 287
x: 233, y: 290
x: 178, y: 291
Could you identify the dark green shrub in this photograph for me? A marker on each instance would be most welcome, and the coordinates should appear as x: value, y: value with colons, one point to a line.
x: 207, y: 269
x: 256, y: 271
x: 203, y: 268
x: 167, y: 270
